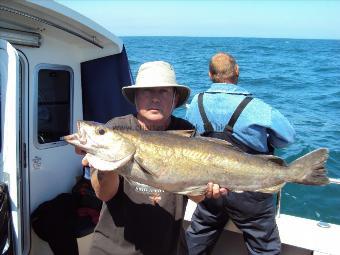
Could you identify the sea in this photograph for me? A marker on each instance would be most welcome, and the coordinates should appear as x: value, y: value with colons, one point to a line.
x: 301, y: 78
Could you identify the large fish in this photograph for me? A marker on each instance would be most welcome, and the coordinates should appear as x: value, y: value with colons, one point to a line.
x: 174, y: 162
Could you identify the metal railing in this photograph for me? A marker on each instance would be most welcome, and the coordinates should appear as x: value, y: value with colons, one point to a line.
x: 334, y: 181
x: 278, y: 195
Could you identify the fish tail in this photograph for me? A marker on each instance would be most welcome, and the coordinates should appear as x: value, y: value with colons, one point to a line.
x: 310, y: 168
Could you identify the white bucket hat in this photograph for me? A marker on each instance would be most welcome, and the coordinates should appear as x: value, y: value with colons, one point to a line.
x: 154, y: 75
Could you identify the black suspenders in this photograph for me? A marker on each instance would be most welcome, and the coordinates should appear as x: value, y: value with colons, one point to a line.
x: 207, y: 124
x: 230, y: 125
x: 226, y: 134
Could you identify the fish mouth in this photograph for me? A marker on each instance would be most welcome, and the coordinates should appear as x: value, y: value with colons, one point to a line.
x: 75, y: 140
x: 83, y: 138
x: 78, y: 139
x: 69, y: 138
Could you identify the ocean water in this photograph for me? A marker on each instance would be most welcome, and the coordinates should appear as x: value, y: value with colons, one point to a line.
x: 301, y: 78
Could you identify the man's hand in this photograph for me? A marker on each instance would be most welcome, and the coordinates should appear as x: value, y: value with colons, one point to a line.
x: 213, y: 191
x: 84, y: 161
x: 155, y: 198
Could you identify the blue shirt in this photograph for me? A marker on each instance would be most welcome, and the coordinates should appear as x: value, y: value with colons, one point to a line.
x: 257, y: 124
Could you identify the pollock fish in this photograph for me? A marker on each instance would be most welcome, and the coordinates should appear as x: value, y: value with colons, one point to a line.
x: 175, y: 162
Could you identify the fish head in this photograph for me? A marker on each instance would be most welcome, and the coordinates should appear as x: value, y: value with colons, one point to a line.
x: 100, y: 141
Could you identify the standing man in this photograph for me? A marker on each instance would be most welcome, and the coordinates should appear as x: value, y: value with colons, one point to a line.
x: 227, y: 111
x: 132, y: 222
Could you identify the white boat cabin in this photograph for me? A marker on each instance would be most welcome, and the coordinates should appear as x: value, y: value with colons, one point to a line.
x: 58, y: 67
x: 49, y: 54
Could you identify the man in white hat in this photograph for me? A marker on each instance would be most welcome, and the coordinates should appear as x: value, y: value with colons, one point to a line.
x: 131, y: 222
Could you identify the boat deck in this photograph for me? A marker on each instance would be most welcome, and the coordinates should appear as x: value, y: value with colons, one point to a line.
x: 304, y: 235
x: 299, y: 236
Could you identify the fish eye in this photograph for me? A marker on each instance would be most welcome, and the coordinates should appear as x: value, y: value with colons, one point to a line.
x: 101, y: 131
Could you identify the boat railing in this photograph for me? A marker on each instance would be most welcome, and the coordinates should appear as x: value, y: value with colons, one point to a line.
x: 334, y: 181
x: 278, y: 195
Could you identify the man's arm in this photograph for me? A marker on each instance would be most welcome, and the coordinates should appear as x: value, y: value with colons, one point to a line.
x: 281, y: 132
x: 104, y: 183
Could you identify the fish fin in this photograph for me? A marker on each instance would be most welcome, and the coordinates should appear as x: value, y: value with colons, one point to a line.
x: 128, y: 149
x: 193, y: 191
x: 104, y: 165
x: 273, y: 189
x: 143, y: 188
x: 238, y: 191
x: 220, y: 142
x: 310, y: 168
x: 185, y: 133
x: 274, y: 159
x: 139, y: 161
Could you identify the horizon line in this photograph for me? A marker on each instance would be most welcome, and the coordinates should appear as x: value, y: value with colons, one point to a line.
x: 221, y: 36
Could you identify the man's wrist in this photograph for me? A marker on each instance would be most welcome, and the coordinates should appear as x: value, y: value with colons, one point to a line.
x: 99, y: 174
x: 93, y: 171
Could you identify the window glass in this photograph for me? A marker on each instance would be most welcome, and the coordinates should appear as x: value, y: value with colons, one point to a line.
x: 54, y: 108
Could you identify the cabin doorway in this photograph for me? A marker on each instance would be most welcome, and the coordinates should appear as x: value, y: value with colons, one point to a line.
x: 12, y: 154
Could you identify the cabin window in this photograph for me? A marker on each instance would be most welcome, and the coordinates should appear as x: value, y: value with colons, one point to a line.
x: 54, y: 111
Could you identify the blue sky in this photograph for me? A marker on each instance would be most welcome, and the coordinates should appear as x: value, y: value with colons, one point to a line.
x: 269, y: 19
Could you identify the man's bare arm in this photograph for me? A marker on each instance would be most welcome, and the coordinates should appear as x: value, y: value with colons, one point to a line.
x: 104, y: 183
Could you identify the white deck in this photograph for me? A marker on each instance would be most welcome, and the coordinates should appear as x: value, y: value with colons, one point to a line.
x: 297, y: 232
x: 299, y: 236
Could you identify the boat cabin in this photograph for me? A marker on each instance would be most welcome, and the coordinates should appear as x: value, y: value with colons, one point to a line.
x: 57, y: 67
